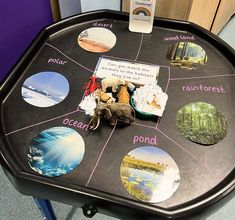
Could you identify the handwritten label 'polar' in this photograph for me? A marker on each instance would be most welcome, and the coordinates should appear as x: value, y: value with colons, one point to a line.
x: 130, y: 71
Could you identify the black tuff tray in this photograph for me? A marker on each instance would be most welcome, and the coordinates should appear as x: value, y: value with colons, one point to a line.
x: 206, y: 172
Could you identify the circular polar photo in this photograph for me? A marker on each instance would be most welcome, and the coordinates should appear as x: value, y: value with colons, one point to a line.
x: 56, y: 151
x: 149, y: 174
x: 201, y: 123
x: 45, y: 89
x: 97, y: 40
x: 186, y: 55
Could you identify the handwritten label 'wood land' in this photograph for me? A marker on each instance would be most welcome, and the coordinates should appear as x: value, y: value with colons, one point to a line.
x: 131, y: 71
x: 179, y: 37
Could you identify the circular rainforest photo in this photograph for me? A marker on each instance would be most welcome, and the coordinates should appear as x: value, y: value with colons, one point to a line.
x: 97, y: 40
x: 186, y: 55
x: 56, y: 151
x: 45, y: 89
x: 149, y: 174
x: 201, y: 123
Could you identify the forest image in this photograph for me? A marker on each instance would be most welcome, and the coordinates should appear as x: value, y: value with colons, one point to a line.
x: 201, y: 123
x: 186, y: 55
x: 149, y: 174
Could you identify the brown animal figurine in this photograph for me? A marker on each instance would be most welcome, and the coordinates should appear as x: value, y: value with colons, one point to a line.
x: 123, y: 95
x: 103, y: 96
x: 112, y: 112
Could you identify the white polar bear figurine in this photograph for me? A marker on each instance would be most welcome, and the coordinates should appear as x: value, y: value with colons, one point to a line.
x: 113, y: 82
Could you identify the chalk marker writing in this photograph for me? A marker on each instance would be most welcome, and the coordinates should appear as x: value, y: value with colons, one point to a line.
x: 179, y: 37
x: 96, y: 24
x: 57, y: 61
x: 147, y: 140
x: 74, y: 123
x: 203, y: 88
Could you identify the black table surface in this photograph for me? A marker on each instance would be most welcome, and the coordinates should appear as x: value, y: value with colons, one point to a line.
x: 206, y: 172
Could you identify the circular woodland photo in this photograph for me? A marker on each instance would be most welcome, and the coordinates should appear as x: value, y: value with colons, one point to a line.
x: 97, y: 40
x: 56, y: 151
x: 201, y: 123
x: 149, y: 174
x: 45, y: 89
x: 186, y: 55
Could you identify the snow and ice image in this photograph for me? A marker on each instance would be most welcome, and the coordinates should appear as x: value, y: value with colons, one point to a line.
x: 149, y: 174
x: 56, y: 151
x: 45, y: 89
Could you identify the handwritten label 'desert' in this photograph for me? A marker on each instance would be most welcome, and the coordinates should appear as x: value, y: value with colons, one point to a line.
x: 135, y: 72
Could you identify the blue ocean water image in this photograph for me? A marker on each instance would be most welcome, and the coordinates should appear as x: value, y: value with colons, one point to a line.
x: 149, y: 174
x: 45, y: 89
x: 56, y: 151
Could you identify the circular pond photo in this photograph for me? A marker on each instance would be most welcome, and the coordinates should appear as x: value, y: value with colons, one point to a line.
x: 186, y: 55
x: 201, y: 123
x: 149, y: 174
x: 45, y: 89
x: 56, y: 151
x: 97, y: 40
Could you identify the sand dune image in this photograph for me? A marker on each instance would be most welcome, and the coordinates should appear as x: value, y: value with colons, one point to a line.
x: 93, y: 46
x: 96, y: 40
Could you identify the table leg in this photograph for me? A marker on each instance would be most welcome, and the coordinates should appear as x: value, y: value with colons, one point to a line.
x: 46, y: 208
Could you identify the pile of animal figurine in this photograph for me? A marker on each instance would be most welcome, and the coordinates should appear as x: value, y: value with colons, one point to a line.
x: 106, y: 106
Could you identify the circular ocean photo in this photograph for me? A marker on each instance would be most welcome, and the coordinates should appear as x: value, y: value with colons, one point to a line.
x: 149, y: 174
x: 56, y: 151
x: 45, y: 89
x: 186, y: 55
x: 97, y: 40
x: 201, y: 123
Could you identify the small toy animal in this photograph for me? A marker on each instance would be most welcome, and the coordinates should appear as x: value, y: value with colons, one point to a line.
x: 111, y: 112
x: 113, y: 82
x: 91, y: 86
x: 104, y: 96
x: 123, y: 95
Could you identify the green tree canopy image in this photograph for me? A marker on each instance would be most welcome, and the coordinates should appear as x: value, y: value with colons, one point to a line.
x: 201, y: 123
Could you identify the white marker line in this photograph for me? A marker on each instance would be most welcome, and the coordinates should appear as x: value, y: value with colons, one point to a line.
x: 97, y: 162
x: 167, y: 85
x: 141, y: 42
x: 188, y: 152
x: 201, y: 77
x: 33, y: 125
x: 69, y: 57
x: 146, y: 126
x: 168, y: 80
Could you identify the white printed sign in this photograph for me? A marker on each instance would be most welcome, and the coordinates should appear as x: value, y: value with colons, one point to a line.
x: 135, y: 72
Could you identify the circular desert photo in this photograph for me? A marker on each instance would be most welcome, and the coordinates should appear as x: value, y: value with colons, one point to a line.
x: 45, y: 89
x: 56, y: 151
x: 149, y: 174
x: 97, y: 40
x: 186, y: 55
x: 201, y: 123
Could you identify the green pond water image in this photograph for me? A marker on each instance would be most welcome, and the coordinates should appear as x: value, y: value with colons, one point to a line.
x: 145, y: 178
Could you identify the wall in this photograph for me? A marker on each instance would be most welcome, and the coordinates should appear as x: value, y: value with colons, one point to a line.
x: 90, y: 5
x: 69, y: 7
x: 20, y: 21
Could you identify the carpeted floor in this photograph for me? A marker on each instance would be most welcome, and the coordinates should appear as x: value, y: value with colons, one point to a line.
x: 14, y: 206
